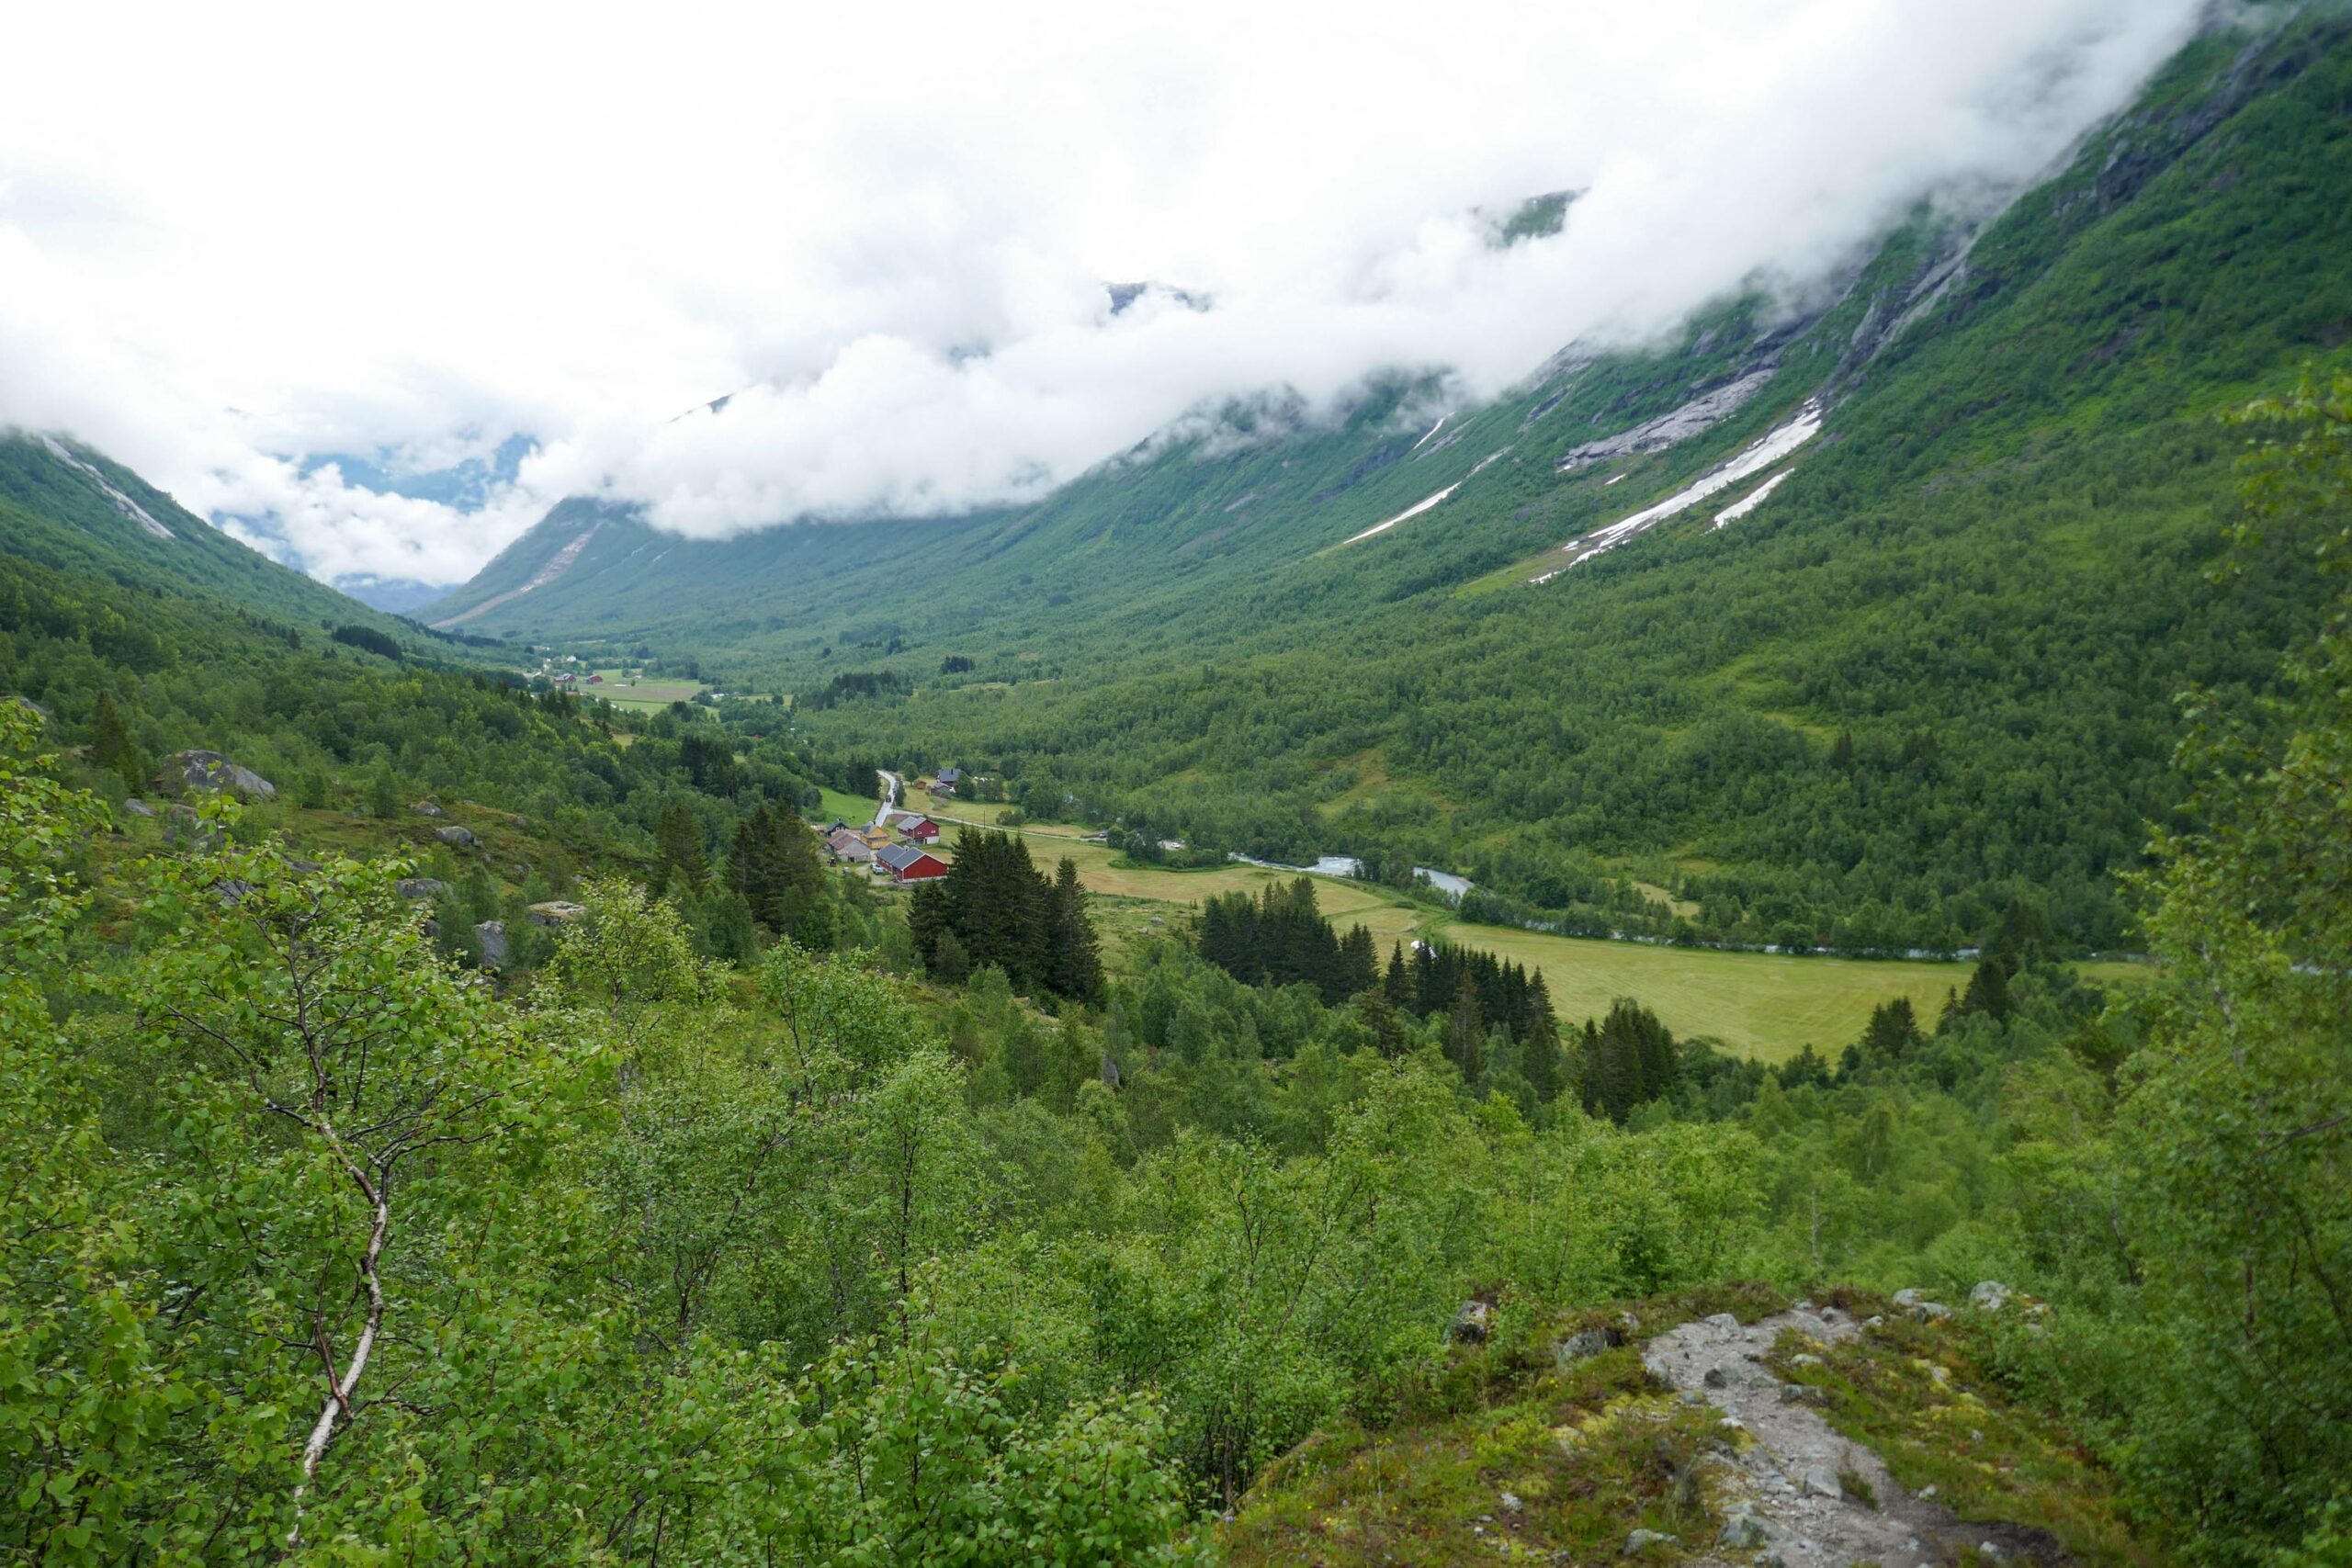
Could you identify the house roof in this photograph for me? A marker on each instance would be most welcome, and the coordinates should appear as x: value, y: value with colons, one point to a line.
x: 949, y: 776
x: 900, y: 857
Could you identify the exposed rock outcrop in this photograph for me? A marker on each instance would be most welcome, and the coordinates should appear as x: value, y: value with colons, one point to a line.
x: 187, y: 771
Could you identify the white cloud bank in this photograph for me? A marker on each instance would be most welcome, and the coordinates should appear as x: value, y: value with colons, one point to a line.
x: 227, y: 241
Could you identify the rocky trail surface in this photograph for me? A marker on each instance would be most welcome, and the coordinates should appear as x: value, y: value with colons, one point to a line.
x: 1801, y: 1508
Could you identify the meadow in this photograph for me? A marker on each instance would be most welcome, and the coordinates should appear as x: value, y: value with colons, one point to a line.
x: 1764, y: 1006
x: 644, y: 696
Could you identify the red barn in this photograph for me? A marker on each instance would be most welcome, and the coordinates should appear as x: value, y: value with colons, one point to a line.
x: 916, y: 827
x: 907, y: 864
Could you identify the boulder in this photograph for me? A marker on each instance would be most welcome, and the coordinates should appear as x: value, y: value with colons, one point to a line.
x: 556, y: 912
x: 1805, y: 1359
x: 1802, y: 1393
x: 1822, y: 1481
x: 454, y: 835
x: 491, y: 936
x: 1990, y: 1296
x: 1743, y: 1531
x: 138, y: 808
x: 187, y: 771
x: 232, y: 891
x: 425, y: 809
x: 1722, y: 1323
x: 420, y: 887
x: 1470, y: 1324
x: 1583, y: 1346
x: 1928, y: 1311
x: 1648, y: 1540
x: 30, y: 707
x: 1715, y: 1377
x: 1911, y: 1297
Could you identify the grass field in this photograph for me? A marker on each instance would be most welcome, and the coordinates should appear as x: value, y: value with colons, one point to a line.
x: 847, y: 808
x: 647, y: 696
x: 922, y: 800
x: 1754, y: 1004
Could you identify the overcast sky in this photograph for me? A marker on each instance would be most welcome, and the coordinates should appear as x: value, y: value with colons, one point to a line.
x: 230, y: 238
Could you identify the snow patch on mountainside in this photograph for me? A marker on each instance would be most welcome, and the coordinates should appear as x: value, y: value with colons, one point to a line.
x: 1752, y: 498
x: 555, y: 566
x: 1761, y: 454
x: 1413, y: 511
x: 122, y: 502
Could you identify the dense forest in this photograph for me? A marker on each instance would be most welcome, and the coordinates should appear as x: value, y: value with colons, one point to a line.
x: 326, y: 1248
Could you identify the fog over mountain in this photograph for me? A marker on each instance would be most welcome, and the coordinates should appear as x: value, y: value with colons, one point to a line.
x: 224, y: 260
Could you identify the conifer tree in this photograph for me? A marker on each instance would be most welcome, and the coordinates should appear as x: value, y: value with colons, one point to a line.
x: 677, y: 839
x: 1466, y: 1034
x: 1398, y: 985
x: 1538, y: 1051
x: 1074, y: 957
x: 110, y: 746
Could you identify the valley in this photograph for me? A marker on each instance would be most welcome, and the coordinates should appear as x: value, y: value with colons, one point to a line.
x: 1725, y: 951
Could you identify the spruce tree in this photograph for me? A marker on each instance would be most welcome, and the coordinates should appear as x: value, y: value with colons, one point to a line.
x: 677, y: 839
x: 110, y: 746
x: 1398, y: 985
x: 1539, y: 1048
x: 1074, y: 963
x: 1466, y: 1035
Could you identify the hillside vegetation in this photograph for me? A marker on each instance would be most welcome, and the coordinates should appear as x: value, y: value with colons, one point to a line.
x: 444, y: 1120
x: 707, y: 1226
x: 1926, y: 682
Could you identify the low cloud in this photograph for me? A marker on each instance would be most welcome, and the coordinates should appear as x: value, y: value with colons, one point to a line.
x: 898, y: 266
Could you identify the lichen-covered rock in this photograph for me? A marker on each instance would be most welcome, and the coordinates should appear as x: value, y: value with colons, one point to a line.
x: 1743, y: 1531
x: 420, y: 887
x: 1583, y: 1346
x: 1820, y: 1480
x: 138, y: 808
x: 209, y: 771
x: 556, y: 912
x: 425, y: 809
x: 1470, y: 1324
x: 1990, y: 1296
x: 1648, y: 1540
x: 490, y: 937
x: 454, y: 835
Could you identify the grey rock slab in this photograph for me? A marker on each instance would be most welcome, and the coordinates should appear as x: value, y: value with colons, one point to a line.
x: 210, y: 770
x: 1792, y: 1450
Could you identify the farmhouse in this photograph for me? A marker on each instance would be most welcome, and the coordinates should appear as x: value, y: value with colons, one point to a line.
x: 848, y: 846
x: 907, y: 864
x: 914, y: 825
x: 947, y: 781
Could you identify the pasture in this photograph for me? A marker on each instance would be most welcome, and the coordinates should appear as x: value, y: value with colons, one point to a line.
x: 1754, y: 1004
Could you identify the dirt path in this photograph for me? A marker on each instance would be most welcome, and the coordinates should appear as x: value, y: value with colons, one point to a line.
x: 1797, y: 1511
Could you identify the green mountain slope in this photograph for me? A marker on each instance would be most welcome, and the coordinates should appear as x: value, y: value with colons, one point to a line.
x: 68, y: 506
x: 1924, y: 687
